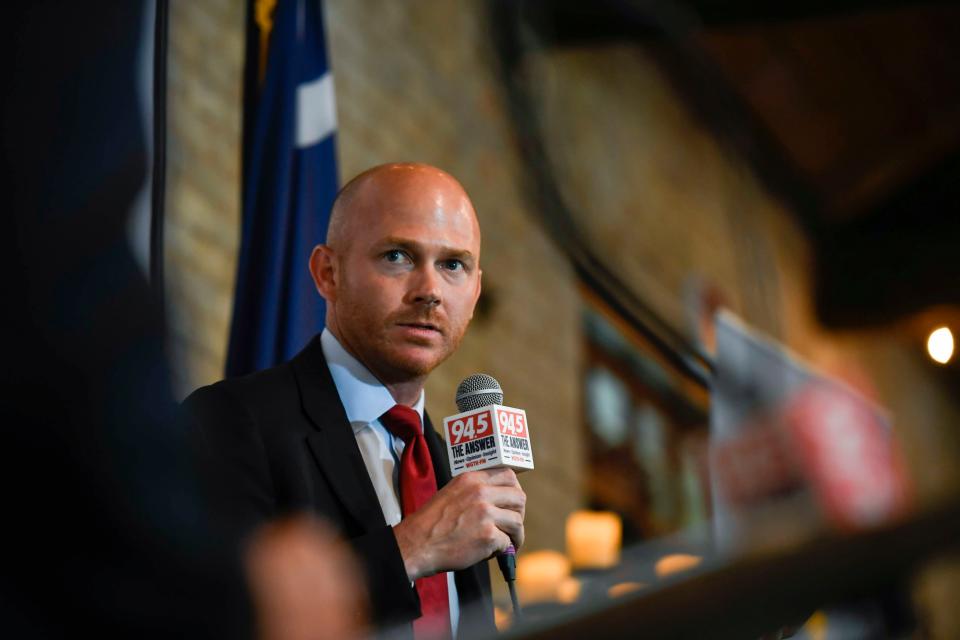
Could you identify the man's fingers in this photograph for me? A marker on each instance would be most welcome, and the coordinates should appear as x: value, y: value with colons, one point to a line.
x: 505, y: 498
x: 503, y: 541
x: 502, y: 477
x: 511, y: 523
x: 491, y: 506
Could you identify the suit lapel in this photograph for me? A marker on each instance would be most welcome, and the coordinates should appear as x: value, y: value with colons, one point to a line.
x: 438, y: 452
x: 334, y: 444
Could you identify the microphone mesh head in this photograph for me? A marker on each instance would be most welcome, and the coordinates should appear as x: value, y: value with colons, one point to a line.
x: 478, y: 390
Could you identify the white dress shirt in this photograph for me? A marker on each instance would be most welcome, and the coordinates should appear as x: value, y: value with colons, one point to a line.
x: 365, y: 399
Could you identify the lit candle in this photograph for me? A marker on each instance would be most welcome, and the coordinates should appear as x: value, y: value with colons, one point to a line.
x: 540, y: 574
x: 569, y: 590
x: 624, y: 588
x: 675, y: 563
x: 502, y: 618
x: 593, y: 539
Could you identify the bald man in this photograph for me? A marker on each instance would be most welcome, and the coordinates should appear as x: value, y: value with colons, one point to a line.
x: 400, y: 274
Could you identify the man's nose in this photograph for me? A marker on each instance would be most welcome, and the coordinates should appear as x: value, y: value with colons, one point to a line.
x: 425, y: 286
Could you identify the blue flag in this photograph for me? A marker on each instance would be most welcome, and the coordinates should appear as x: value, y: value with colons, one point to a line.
x: 289, y: 183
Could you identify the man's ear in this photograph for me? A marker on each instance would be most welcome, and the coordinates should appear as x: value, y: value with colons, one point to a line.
x: 323, y: 268
x: 476, y: 295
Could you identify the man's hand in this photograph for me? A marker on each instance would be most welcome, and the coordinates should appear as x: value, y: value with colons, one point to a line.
x: 476, y: 515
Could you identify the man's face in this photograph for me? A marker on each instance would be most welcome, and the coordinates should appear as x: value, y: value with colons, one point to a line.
x: 407, y: 276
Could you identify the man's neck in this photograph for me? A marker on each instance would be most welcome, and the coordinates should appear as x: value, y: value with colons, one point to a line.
x: 406, y: 392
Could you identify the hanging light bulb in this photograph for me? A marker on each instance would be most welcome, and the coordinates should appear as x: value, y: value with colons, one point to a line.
x: 940, y: 345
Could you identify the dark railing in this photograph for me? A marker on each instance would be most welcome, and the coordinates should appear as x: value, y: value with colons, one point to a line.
x: 754, y: 596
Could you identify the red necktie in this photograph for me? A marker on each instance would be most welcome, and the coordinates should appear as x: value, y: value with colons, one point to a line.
x: 417, y: 485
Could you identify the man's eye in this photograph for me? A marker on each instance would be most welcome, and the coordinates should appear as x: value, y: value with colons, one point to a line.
x: 453, y: 265
x: 394, y: 255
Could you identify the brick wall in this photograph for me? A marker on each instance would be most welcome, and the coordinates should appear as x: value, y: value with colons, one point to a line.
x: 203, y: 183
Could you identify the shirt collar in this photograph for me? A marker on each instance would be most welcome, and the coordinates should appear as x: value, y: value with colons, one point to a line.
x: 364, y: 397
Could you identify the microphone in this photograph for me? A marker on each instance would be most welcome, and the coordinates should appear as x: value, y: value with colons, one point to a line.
x: 486, y: 435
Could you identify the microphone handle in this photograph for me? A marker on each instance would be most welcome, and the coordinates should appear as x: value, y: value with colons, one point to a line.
x: 507, y: 561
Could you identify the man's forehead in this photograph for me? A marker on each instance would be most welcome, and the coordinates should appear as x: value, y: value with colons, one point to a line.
x: 402, y: 182
x: 439, y: 228
x: 423, y: 204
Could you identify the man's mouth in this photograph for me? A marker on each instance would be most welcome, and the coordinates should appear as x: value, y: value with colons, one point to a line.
x: 427, y: 326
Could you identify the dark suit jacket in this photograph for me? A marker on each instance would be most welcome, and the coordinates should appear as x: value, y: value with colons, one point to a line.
x: 278, y: 441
